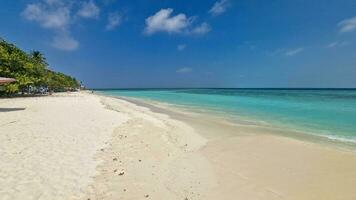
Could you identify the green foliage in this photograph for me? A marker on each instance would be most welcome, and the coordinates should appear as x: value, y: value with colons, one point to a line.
x: 59, y: 82
x: 30, y: 69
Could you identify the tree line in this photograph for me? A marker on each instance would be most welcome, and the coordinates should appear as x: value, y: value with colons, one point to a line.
x: 30, y: 71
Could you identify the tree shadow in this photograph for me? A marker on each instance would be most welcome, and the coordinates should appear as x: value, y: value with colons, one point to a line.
x: 11, y: 109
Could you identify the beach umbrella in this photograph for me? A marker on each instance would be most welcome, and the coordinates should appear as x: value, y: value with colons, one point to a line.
x: 6, y: 80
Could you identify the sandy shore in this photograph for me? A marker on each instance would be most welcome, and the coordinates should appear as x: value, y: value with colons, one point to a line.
x: 83, y: 146
x: 47, y: 144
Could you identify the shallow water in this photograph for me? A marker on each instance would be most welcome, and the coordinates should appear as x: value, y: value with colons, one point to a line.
x: 326, y: 112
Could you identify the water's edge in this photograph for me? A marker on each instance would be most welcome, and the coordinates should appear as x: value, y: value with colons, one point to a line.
x: 316, y: 113
x: 178, y: 110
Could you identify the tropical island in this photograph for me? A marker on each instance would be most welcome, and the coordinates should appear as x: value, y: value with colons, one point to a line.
x: 187, y: 100
x: 31, y: 72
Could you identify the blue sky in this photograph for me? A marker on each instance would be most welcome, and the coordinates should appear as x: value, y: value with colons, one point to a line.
x: 211, y: 43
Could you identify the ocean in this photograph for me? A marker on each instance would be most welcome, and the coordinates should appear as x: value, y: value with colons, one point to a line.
x: 324, y: 112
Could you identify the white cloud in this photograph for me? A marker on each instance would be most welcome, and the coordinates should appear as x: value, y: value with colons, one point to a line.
x: 50, y: 18
x: 347, y: 25
x: 294, y: 51
x: 114, y: 20
x: 201, y: 29
x: 184, y: 70
x: 337, y: 44
x: 65, y: 42
x: 181, y: 47
x: 162, y: 21
x: 58, y: 16
x: 89, y: 10
x: 219, y: 7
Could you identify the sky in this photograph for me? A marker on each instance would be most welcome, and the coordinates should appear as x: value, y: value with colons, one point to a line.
x: 195, y: 43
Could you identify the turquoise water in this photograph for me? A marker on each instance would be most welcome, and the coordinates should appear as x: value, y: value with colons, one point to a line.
x: 326, y: 112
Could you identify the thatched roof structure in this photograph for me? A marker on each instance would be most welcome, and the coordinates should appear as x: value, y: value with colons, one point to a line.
x: 6, y: 80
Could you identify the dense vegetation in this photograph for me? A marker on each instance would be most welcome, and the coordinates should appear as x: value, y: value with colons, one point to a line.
x: 30, y: 70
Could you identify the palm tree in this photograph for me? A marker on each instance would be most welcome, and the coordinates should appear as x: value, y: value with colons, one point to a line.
x: 39, y: 58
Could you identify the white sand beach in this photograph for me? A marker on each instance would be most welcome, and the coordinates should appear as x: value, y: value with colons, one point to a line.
x: 84, y: 146
x: 47, y: 146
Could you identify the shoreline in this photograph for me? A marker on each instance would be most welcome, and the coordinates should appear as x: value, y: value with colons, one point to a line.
x: 172, y: 109
x: 89, y: 146
x: 300, y: 161
x: 302, y: 167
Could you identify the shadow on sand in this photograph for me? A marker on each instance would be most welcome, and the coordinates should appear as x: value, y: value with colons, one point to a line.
x: 10, y: 109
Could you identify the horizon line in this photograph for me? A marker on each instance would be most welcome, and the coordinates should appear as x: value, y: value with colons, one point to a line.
x: 255, y: 88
